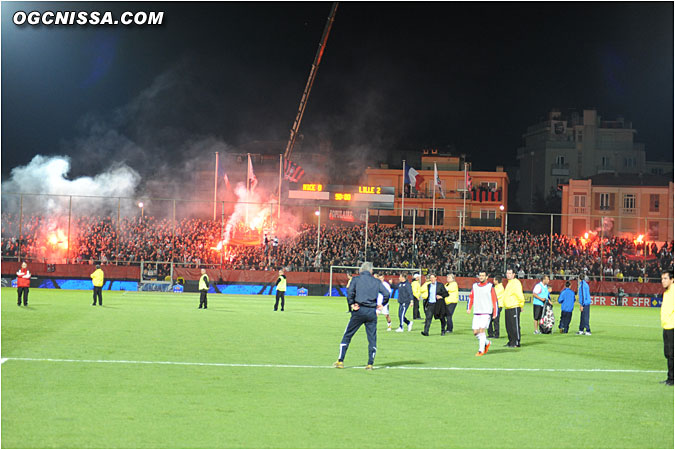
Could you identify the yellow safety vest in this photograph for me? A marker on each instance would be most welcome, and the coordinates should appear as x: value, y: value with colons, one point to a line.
x: 97, y: 278
x: 453, y: 293
x: 499, y: 290
x: 282, y: 284
x: 202, y: 282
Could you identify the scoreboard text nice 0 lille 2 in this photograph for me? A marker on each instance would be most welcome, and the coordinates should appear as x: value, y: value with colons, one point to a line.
x: 375, y: 197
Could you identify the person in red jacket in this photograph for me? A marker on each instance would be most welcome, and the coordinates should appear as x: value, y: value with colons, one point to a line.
x: 23, y: 283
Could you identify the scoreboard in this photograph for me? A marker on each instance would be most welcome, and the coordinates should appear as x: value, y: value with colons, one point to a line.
x: 375, y: 197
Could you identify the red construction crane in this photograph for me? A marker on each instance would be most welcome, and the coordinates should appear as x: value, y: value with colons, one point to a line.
x: 310, y: 82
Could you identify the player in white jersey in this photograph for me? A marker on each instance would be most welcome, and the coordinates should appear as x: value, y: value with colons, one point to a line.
x: 484, y: 301
x: 385, y: 308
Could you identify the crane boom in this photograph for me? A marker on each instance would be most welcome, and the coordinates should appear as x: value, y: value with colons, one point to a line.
x: 310, y: 82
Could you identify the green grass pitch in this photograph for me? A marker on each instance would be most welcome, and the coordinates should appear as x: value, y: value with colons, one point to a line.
x: 91, y: 378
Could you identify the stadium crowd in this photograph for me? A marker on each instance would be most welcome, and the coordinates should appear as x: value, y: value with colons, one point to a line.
x: 193, y: 243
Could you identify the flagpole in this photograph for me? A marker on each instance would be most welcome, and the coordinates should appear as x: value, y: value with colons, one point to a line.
x: 403, y: 195
x: 279, y: 207
x: 248, y: 182
x: 463, y: 218
x: 433, y: 207
x: 215, y: 187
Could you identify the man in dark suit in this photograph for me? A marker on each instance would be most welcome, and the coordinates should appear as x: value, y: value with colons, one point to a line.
x: 434, y: 304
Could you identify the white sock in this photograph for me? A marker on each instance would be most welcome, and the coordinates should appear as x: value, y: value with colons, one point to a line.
x: 481, y: 342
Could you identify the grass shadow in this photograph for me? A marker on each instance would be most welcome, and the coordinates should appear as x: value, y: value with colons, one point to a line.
x: 399, y: 363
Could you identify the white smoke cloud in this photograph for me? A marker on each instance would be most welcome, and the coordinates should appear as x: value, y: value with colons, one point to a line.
x: 49, y: 175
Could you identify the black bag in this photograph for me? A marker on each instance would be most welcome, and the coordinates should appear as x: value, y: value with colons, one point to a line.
x: 547, y: 319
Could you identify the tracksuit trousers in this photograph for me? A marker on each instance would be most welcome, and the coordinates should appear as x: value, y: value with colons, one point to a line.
x: 363, y: 316
x: 565, y: 319
x: 512, y: 318
x: 584, y: 322
x: 402, y: 309
x: 668, y: 351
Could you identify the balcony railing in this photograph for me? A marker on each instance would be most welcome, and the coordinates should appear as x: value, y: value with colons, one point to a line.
x: 560, y: 169
x: 478, y: 222
x: 579, y: 210
x: 629, y: 211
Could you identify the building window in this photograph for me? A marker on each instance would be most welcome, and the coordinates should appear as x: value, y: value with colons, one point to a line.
x: 488, y: 214
x: 604, y: 162
x: 560, y: 181
x: 629, y: 162
x: 579, y: 204
x: 653, y: 202
x: 560, y: 161
x: 579, y: 201
x: 604, y: 200
x: 580, y: 136
x: 629, y: 203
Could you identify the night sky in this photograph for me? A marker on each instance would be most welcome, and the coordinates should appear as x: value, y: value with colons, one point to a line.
x: 395, y: 76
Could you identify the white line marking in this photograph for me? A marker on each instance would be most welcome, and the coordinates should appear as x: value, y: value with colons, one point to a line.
x: 3, y: 360
x: 302, y: 366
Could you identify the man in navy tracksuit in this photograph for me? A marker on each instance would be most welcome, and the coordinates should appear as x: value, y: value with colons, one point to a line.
x: 405, y: 296
x: 584, y: 293
x: 566, y: 300
x: 363, y: 300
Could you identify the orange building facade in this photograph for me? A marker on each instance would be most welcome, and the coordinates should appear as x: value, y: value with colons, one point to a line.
x: 619, y: 205
x: 485, y: 205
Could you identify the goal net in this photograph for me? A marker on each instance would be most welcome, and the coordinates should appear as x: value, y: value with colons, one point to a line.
x: 337, y: 286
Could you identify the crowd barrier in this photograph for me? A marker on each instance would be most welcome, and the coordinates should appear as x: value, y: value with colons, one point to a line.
x: 76, y: 276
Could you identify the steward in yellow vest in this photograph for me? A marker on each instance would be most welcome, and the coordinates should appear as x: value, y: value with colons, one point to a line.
x: 203, y: 289
x: 281, y: 290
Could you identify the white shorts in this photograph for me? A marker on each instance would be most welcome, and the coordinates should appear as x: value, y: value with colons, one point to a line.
x: 385, y: 310
x: 480, y: 321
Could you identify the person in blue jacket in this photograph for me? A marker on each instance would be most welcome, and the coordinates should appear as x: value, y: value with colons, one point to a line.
x: 584, y: 293
x: 566, y: 300
x: 405, y: 296
x: 363, y: 301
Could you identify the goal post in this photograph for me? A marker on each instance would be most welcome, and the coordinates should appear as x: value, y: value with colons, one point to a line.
x: 397, y: 270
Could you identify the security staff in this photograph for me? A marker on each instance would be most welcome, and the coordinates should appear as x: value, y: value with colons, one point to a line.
x: 584, y: 295
x: 363, y: 299
x: 97, y: 278
x: 203, y: 289
x: 514, y: 300
x: 416, y: 289
x: 281, y: 290
x: 405, y: 296
x: 450, y: 301
x: 493, y: 328
x: 23, y: 284
x: 667, y: 314
x: 434, y: 303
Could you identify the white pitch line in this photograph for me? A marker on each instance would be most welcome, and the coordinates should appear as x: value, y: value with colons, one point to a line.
x: 301, y: 366
x: 2, y: 361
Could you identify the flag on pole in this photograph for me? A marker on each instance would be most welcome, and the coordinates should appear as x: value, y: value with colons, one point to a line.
x: 252, y: 179
x: 437, y: 180
x: 292, y: 171
x: 413, y: 177
x: 223, y: 176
